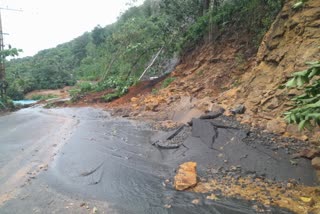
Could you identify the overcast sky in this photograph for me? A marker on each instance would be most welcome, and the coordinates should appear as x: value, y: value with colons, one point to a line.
x: 46, y: 23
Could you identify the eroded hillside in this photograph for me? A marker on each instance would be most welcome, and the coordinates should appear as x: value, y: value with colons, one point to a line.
x: 228, y: 72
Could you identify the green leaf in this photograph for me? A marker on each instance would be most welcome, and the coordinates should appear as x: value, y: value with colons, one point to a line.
x: 301, y: 73
x: 313, y: 63
x: 314, y: 116
x: 294, y: 118
x: 313, y: 72
x: 302, y: 125
x: 314, y: 105
x: 291, y: 83
x: 301, y: 80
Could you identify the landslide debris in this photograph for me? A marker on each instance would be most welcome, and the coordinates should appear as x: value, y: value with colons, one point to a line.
x: 186, y: 176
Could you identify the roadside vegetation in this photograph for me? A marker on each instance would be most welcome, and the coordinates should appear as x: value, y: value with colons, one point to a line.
x: 147, y: 36
x: 306, y: 110
x: 5, y: 101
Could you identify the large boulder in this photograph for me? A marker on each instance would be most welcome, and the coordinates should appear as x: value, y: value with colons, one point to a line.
x: 186, y: 176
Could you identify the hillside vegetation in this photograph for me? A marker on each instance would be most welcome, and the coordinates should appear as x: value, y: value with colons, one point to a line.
x: 159, y: 31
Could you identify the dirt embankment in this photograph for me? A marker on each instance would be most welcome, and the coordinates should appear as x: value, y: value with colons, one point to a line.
x: 293, y: 39
x: 61, y: 93
x: 228, y: 72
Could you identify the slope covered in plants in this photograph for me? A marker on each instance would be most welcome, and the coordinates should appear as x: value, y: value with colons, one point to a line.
x: 228, y: 71
x: 154, y: 34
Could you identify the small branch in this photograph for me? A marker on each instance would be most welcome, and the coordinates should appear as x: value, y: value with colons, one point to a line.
x: 154, y: 59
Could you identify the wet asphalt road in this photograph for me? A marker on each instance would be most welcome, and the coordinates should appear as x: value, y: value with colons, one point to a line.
x: 79, y: 160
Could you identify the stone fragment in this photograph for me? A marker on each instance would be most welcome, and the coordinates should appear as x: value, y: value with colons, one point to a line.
x: 316, y: 163
x: 213, y: 114
x: 212, y: 197
x: 167, y: 206
x: 307, y: 200
x: 186, y: 176
x: 277, y: 126
x: 315, y: 210
x: 196, y: 201
x: 310, y: 153
x: 94, y: 210
x: 273, y: 104
x: 134, y: 99
x: 240, y: 109
x: 151, y: 106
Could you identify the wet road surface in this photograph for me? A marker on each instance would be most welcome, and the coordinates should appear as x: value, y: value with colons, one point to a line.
x: 81, y: 159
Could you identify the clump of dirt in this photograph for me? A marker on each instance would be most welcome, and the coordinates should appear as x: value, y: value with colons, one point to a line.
x: 139, y: 90
x: 297, y: 198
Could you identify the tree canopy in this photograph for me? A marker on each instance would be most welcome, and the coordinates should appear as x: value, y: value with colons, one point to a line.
x: 124, y: 49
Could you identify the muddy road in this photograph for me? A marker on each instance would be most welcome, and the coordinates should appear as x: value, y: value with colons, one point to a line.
x: 82, y: 160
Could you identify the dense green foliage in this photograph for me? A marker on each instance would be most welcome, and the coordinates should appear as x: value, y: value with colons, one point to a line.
x: 49, y: 69
x: 6, y: 103
x: 10, y: 52
x: 306, y: 112
x: 251, y: 16
x: 116, y: 55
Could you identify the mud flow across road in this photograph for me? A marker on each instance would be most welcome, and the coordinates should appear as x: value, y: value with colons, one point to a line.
x: 82, y: 160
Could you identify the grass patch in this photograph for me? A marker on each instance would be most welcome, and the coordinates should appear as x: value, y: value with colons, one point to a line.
x: 155, y: 91
x: 167, y: 82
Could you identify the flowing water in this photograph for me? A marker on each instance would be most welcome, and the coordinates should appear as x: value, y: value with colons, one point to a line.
x: 24, y: 102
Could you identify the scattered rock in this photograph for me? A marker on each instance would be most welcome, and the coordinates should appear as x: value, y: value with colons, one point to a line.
x: 273, y: 104
x: 134, y: 99
x: 213, y: 114
x: 196, y: 201
x: 152, y: 106
x: 168, y: 206
x: 173, y: 139
x: 186, y: 176
x: 277, y: 126
x: 94, y: 210
x: 316, y: 163
x: 43, y: 167
x: 307, y: 200
x: 195, y: 90
x: 240, y: 109
x: 310, y: 153
x: 314, y: 211
x: 304, y: 138
x: 212, y: 197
